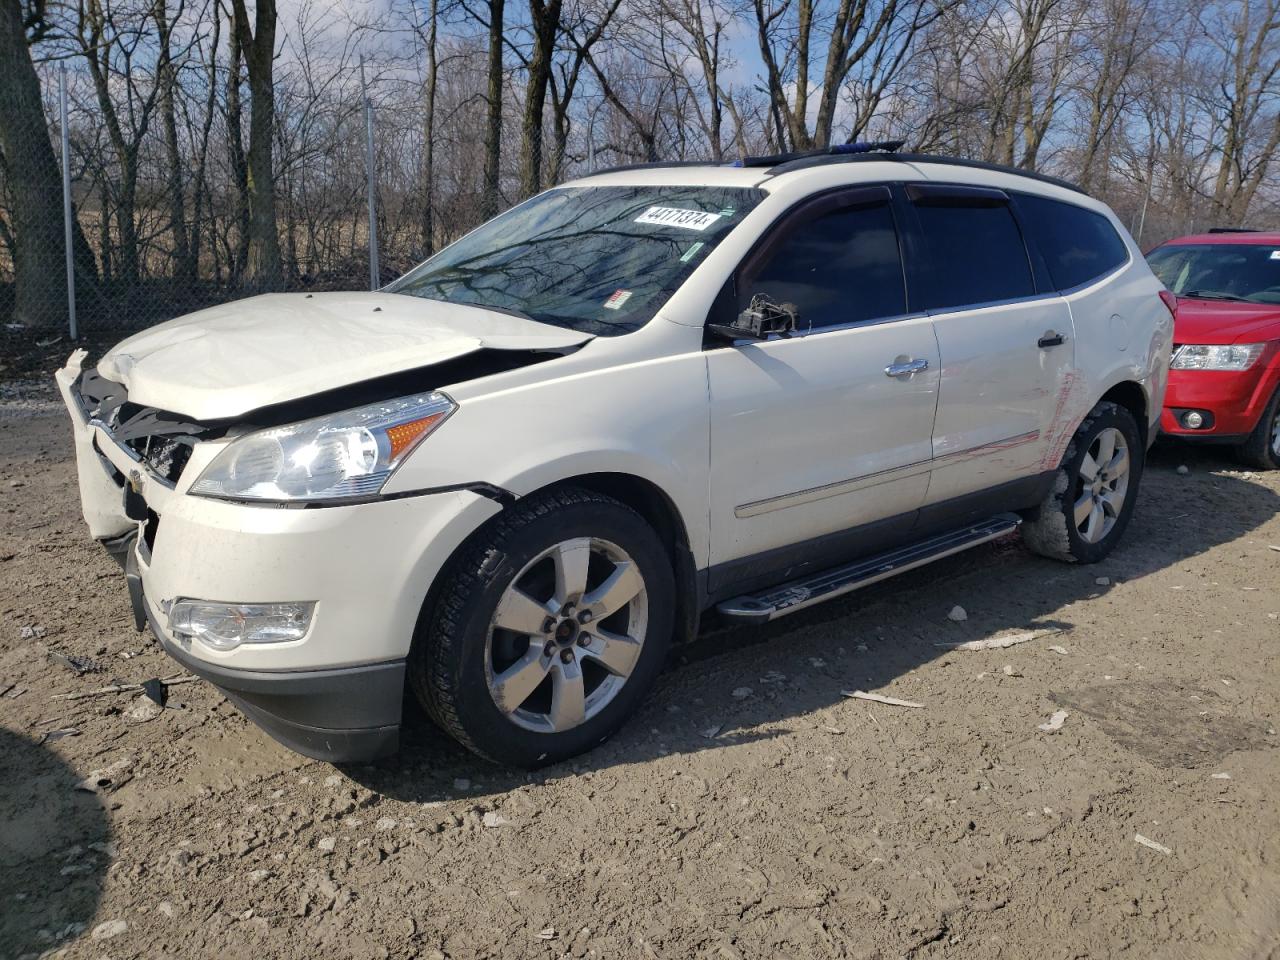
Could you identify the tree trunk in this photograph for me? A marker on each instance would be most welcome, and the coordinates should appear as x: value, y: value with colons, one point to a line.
x: 491, y: 195
x: 545, y: 19
x: 166, y: 75
x: 262, y: 271
x: 428, y: 225
x: 235, y: 147
x: 35, y: 183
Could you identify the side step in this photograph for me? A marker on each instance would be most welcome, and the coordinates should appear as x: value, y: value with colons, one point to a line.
x: 775, y: 602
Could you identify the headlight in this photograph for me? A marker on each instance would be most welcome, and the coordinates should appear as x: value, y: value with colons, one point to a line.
x: 349, y: 454
x: 224, y: 626
x: 1236, y: 356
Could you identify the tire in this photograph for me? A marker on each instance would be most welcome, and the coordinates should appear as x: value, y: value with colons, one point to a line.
x: 1054, y: 528
x: 555, y: 550
x: 1262, y: 449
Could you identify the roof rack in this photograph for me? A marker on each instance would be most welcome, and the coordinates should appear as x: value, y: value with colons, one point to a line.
x: 874, y: 151
x: 1234, y: 230
x: 810, y: 161
x: 838, y: 150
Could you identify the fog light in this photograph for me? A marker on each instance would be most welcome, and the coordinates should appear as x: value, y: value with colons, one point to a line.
x: 1193, y: 420
x: 224, y: 626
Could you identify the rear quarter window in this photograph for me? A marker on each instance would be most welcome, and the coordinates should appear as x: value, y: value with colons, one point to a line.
x: 1078, y: 245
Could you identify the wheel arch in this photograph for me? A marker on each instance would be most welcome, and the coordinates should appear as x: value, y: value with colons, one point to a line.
x: 643, y: 496
x: 1130, y: 395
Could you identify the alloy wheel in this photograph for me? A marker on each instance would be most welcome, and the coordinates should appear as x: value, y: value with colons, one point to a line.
x: 1275, y: 435
x: 1101, y: 485
x: 566, y: 634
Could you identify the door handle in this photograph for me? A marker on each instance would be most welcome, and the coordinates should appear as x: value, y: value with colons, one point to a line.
x: 906, y: 368
x: 1050, y: 339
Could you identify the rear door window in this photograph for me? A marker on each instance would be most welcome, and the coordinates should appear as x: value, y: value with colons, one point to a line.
x: 1078, y: 245
x: 973, y: 249
x: 842, y: 266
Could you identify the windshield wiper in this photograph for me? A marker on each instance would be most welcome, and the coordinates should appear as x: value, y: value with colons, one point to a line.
x: 1205, y: 295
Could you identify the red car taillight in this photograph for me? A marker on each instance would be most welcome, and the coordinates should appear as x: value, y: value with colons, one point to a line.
x: 1170, y: 301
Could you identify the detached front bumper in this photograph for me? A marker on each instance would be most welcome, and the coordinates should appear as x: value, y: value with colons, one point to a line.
x: 336, y: 693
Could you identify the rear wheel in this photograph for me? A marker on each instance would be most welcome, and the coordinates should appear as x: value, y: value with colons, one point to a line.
x: 1092, y: 498
x: 550, y: 628
x: 1262, y: 449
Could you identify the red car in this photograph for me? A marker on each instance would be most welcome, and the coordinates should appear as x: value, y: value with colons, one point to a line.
x: 1224, y: 379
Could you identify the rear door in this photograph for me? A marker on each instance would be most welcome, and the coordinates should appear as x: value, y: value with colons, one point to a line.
x: 1006, y: 341
x: 829, y: 429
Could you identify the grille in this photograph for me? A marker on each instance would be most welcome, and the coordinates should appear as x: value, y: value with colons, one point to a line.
x: 161, y: 440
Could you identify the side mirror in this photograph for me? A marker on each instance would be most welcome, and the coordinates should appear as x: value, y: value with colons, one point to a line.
x: 763, y: 318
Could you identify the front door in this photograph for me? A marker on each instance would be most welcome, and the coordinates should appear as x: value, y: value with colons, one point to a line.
x: 827, y: 430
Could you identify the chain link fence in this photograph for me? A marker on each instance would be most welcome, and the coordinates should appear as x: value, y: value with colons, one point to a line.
x: 129, y: 223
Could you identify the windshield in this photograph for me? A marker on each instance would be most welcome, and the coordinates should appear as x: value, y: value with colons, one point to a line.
x: 601, y: 260
x: 1247, y: 272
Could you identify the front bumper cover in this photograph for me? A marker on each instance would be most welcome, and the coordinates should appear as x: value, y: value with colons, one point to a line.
x: 341, y: 714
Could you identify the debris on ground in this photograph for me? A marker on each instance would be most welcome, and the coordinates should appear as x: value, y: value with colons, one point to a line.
x: 1182, y: 470
x: 494, y: 819
x: 120, y: 688
x: 741, y: 693
x: 712, y: 732
x: 32, y: 633
x: 1147, y: 842
x: 957, y: 614
x: 1010, y: 671
x: 1103, y: 581
x: 155, y: 691
x: 144, y: 710
x: 1220, y: 776
x: 77, y: 665
x: 879, y: 698
x: 52, y: 735
x: 1000, y: 642
x: 108, y: 778
x: 112, y: 928
x: 461, y: 783
x: 1055, y: 722
x: 1058, y: 649
x: 773, y: 676
x: 548, y: 934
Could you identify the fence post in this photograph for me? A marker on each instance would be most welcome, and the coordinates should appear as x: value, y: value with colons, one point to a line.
x: 372, y: 183
x: 66, y: 202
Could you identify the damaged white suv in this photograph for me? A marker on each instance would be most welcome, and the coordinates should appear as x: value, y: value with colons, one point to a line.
x: 511, y: 478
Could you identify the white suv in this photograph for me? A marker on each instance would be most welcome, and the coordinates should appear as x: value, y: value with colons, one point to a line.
x: 514, y: 476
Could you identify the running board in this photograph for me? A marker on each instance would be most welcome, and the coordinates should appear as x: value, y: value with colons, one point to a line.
x: 775, y: 602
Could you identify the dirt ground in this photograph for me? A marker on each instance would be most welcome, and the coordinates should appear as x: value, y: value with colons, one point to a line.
x: 750, y: 810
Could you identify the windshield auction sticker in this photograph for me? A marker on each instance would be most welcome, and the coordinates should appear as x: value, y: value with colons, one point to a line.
x: 676, y: 217
x: 617, y: 299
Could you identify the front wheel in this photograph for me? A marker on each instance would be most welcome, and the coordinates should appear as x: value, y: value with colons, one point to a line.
x: 549, y: 628
x: 1093, y: 494
x: 1262, y: 448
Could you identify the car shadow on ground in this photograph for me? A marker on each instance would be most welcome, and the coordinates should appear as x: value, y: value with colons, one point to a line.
x: 50, y: 829
x: 799, y: 666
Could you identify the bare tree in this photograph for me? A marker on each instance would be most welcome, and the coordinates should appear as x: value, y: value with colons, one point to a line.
x: 33, y: 229
x: 257, y: 44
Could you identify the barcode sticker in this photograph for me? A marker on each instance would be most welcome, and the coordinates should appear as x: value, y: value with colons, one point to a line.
x: 677, y: 217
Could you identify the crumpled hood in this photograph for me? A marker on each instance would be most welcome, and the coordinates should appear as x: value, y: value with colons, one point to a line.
x: 228, y: 360
x: 1225, y: 321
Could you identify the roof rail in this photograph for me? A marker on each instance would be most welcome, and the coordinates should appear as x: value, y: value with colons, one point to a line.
x: 652, y: 165
x: 820, y: 160
x: 1234, y: 230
